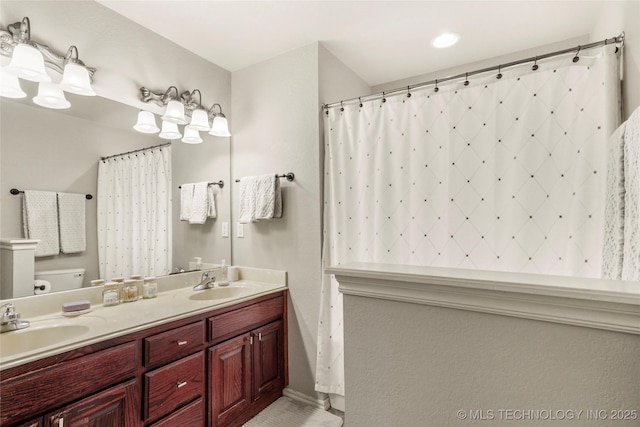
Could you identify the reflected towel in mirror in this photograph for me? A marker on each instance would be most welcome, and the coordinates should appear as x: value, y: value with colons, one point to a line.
x: 40, y: 221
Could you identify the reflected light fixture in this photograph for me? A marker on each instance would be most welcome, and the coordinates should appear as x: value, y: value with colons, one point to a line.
x: 183, y: 108
x: 50, y: 95
x: 220, y: 126
x: 146, y: 123
x: 170, y: 131
x: 445, y: 40
x: 191, y: 136
x: 28, y: 62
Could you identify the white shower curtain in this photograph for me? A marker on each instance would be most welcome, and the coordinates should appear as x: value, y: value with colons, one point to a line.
x: 503, y: 174
x: 134, y: 214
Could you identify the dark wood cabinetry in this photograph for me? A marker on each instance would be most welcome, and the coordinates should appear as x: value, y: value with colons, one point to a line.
x: 116, y: 406
x: 218, y: 368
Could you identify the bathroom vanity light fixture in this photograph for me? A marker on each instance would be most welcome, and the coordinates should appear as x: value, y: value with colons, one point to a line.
x: 445, y: 40
x: 182, y: 109
x: 28, y: 62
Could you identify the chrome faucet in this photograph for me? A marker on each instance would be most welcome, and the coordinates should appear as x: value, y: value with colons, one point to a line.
x: 208, y: 281
x: 10, y: 319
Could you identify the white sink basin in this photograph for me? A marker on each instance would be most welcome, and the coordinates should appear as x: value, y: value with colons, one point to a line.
x: 220, y: 293
x: 35, y: 337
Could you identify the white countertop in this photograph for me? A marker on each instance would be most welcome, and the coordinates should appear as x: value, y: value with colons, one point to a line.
x: 103, y: 323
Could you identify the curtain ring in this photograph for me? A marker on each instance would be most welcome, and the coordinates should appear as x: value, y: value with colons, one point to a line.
x: 435, y: 89
x: 499, y: 75
x: 341, y: 106
x: 408, y: 92
x: 577, y: 58
x: 535, y: 64
x: 466, y: 79
x: 383, y: 98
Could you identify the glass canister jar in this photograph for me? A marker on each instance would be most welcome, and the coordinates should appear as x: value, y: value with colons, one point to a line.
x: 150, y: 288
x: 110, y: 294
x: 138, y: 279
x: 129, y: 291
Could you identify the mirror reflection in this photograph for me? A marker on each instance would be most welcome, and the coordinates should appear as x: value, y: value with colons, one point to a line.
x: 60, y: 151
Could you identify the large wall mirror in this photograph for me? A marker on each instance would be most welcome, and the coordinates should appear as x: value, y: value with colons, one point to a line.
x: 59, y: 150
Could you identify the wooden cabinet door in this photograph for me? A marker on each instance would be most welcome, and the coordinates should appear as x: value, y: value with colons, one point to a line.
x: 268, y: 359
x: 229, y: 379
x: 114, y: 407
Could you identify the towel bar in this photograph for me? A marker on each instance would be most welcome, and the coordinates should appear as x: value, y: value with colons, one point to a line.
x: 15, y: 192
x: 219, y: 183
x: 290, y: 176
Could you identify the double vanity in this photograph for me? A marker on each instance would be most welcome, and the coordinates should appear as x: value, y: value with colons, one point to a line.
x: 213, y: 357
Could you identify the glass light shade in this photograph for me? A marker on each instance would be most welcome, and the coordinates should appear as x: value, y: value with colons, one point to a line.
x: 10, y: 86
x: 146, y: 122
x: 75, y: 79
x: 28, y: 63
x: 191, y: 136
x: 199, y: 120
x: 175, y: 113
x: 170, y: 131
x: 51, y: 96
x: 220, y: 127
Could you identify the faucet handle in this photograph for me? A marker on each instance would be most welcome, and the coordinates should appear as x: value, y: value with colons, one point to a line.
x: 9, y: 312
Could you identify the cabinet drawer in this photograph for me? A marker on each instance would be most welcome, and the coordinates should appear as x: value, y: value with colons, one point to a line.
x: 47, y: 388
x: 174, y: 344
x: 191, y: 415
x: 173, y: 385
x: 236, y: 322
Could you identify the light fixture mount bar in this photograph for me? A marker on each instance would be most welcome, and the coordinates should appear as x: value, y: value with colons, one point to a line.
x: 187, y: 98
x: 20, y: 32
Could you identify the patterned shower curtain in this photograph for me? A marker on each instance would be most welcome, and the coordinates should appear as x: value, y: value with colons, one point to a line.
x: 501, y: 174
x: 134, y: 214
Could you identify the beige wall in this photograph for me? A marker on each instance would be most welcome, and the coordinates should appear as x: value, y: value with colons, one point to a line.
x: 276, y: 106
x: 414, y: 365
x: 616, y: 17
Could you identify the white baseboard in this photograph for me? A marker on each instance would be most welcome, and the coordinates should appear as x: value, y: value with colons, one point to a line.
x: 301, y: 397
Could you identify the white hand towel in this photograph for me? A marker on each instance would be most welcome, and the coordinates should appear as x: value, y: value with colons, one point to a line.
x: 248, y: 187
x: 186, y: 200
x: 71, y: 218
x: 40, y: 221
x: 268, y: 204
x: 212, y: 202
x: 200, y: 204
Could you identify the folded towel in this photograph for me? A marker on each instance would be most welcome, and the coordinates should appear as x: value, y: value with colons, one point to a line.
x: 613, y: 242
x: 186, y: 200
x: 268, y: 202
x: 631, y: 255
x: 71, y: 218
x: 248, y: 187
x: 40, y: 221
x: 260, y: 198
x: 212, y: 202
x: 200, y: 203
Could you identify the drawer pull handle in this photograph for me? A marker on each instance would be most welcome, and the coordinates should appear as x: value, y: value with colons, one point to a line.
x: 181, y: 384
x: 182, y: 342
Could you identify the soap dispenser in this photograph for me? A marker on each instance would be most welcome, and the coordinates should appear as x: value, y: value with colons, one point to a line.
x: 224, y: 274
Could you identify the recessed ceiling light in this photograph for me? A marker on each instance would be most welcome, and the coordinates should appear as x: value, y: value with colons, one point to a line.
x: 445, y: 40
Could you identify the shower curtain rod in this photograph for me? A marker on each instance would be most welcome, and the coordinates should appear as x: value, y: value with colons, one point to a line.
x: 135, y: 151
x: 534, y: 59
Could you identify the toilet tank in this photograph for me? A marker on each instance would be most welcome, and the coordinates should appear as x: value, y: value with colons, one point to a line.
x: 62, y: 280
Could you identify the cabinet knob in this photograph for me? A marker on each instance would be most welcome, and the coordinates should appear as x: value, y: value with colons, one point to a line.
x: 182, y: 342
x: 181, y: 384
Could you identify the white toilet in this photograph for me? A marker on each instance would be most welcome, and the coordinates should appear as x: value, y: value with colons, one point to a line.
x: 63, y: 279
